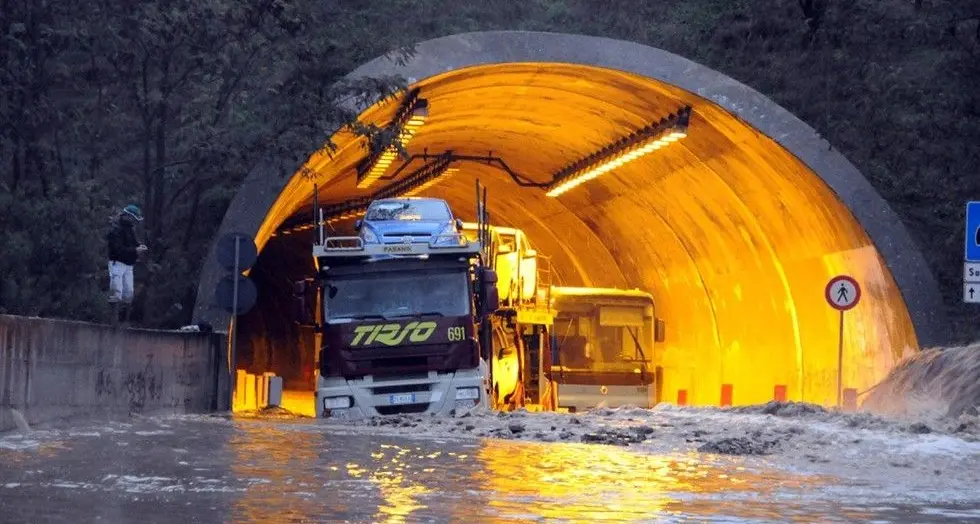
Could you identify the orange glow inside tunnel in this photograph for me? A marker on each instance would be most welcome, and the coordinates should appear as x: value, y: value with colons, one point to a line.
x: 733, y: 236
x: 300, y: 402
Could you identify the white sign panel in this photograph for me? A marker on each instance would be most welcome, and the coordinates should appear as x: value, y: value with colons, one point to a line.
x: 971, y: 272
x: 971, y: 293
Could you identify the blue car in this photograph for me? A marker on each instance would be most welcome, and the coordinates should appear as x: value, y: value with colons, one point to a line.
x: 410, y: 219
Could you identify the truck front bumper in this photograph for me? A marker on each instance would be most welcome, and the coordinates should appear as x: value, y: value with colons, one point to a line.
x: 436, y: 393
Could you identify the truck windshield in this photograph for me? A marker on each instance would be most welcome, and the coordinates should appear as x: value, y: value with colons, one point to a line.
x: 391, y: 295
x: 409, y: 210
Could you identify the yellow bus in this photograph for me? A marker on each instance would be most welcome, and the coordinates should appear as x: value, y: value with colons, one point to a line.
x: 603, y: 347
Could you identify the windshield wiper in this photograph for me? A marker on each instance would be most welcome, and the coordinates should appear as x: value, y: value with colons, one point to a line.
x: 643, y: 357
x: 369, y: 317
x: 425, y: 314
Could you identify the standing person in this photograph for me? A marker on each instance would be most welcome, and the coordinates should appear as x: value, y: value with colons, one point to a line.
x: 124, y: 250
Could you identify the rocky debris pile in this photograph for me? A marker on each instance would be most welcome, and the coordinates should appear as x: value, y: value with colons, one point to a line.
x: 969, y: 424
x: 739, y: 446
x: 270, y: 412
x: 791, y: 429
x: 618, y: 436
x: 782, y: 409
x: 398, y: 421
x: 944, y: 380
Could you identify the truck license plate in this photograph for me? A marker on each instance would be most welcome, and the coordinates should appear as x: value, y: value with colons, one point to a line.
x: 403, y: 398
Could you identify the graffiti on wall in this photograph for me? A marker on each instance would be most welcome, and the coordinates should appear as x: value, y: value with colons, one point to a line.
x: 136, y: 388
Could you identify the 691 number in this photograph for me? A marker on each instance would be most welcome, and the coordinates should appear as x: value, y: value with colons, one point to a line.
x: 456, y: 333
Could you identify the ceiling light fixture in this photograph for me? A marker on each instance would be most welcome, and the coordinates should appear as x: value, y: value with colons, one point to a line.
x: 411, y: 185
x: 409, y: 119
x: 636, y: 145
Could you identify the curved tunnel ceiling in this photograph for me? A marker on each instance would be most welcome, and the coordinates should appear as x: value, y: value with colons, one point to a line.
x: 735, y: 229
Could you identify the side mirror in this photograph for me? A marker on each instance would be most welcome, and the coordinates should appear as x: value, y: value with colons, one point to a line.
x: 660, y: 330
x: 459, y: 224
x: 491, y: 297
x: 301, y: 314
x: 530, y: 253
x: 357, y: 223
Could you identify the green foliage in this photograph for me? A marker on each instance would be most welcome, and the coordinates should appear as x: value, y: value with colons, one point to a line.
x: 171, y: 103
x: 168, y: 104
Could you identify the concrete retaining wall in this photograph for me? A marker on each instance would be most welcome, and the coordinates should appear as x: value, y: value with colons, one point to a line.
x: 56, y: 371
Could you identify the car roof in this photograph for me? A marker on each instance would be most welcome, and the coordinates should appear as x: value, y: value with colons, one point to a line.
x: 408, y: 199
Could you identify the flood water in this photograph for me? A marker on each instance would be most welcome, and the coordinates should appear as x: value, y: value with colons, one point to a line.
x: 211, y: 469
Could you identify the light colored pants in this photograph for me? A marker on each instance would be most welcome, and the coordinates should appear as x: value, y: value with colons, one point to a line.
x: 120, y: 282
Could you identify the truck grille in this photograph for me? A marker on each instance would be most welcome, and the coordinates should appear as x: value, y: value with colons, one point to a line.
x: 407, y: 388
x: 388, y: 377
x: 407, y: 408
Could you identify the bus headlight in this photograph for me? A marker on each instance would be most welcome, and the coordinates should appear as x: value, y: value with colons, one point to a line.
x: 467, y: 393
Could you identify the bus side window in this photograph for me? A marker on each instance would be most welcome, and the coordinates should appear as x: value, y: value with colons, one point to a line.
x: 573, y: 352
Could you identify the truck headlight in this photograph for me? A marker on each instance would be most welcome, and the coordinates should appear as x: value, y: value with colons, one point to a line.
x: 336, y: 403
x: 467, y: 393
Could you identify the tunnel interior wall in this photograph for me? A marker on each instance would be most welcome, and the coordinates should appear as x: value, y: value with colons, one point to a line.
x: 269, y: 338
x: 56, y: 371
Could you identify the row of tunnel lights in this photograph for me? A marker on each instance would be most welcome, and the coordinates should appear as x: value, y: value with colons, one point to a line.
x: 627, y: 149
x: 413, y: 116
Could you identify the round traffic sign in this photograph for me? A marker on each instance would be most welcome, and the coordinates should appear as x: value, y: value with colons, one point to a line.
x: 224, y: 294
x: 842, y: 292
x: 225, y: 251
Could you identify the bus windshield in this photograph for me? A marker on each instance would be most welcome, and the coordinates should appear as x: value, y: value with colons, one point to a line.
x: 584, y: 344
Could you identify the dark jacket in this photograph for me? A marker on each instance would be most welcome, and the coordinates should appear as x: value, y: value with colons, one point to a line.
x: 123, y: 242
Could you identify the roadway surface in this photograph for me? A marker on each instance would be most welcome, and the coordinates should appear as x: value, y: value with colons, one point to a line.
x: 291, y: 469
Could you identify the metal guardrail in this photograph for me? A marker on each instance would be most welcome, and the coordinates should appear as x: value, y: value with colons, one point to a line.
x: 343, y: 243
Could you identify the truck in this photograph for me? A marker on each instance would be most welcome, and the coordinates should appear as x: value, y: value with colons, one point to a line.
x: 442, y: 327
x: 604, y: 348
x: 400, y: 326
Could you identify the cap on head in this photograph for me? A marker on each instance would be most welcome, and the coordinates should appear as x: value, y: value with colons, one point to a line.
x: 134, y: 211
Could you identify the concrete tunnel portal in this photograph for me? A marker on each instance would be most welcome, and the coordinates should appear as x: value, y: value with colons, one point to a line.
x: 734, y: 229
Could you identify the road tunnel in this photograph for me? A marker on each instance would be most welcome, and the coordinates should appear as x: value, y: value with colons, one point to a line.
x: 735, y: 229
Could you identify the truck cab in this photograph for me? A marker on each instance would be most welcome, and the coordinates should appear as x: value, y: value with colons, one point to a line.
x: 398, y: 327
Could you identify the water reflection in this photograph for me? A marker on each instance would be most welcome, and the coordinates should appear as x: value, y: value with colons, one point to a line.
x: 400, y: 495
x: 582, y: 483
x: 281, y: 473
x: 301, y: 472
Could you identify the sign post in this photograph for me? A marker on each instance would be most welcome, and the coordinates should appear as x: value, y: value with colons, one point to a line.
x: 971, y: 256
x: 842, y: 293
x: 235, y: 293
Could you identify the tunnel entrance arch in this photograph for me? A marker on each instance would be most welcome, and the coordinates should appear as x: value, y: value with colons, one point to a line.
x: 734, y: 232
